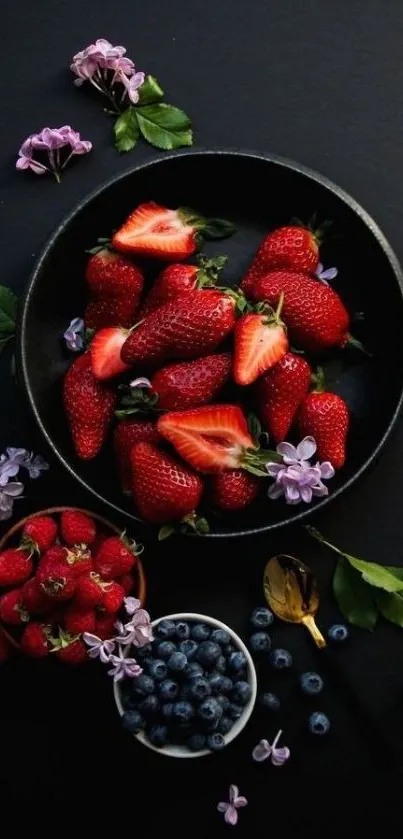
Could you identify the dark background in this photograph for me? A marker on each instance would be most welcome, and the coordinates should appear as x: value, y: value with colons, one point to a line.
x: 319, y: 82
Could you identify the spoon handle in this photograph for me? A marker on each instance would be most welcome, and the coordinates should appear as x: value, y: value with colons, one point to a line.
x: 309, y: 622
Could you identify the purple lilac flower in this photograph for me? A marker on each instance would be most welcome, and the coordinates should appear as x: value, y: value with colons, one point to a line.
x: 131, y: 605
x: 230, y: 808
x: 132, y: 86
x: 264, y: 749
x: 123, y: 667
x: 325, y: 274
x: 137, y: 631
x: 97, y: 648
x: 74, y: 335
x: 8, y: 494
x: 296, y: 478
x: 34, y: 464
x: 8, y: 469
x: 105, y: 66
x: 50, y: 141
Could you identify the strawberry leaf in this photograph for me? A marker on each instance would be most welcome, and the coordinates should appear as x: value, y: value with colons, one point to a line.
x: 217, y: 228
x: 165, y: 532
x: 126, y: 130
x: 8, y: 313
x: 150, y: 91
x: 164, y: 126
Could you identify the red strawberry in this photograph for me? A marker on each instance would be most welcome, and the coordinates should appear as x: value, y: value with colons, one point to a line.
x: 127, y: 433
x: 34, y: 640
x: 163, y: 488
x: 127, y: 582
x: 105, y: 352
x: 108, y: 274
x: 77, y: 620
x: 295, y: 248
x: 210, y: 438
x: 179, y: 279
x: 153, y: 230
x: 15, y: 566
x: 105, y: 627
x: 114, y: 558
x: 12, y: 609
x: 260, y: 343
x: 113, y: 596
x: 69, y: 649
x: 315, y: 316
x: 57, y: 580
x: 80, y: 560
x: 77, y: 528
x: 6, y: 649
x: 280, y: 392
x: 103, y: 312
x: 325, y: 417
x: 34, y: 599
x: 89, y: 591
x: 89, y: 406
x: 191, y: 383
x: 55, y: 554
x: 188, y: 327
x: 39, y: 534
x: 234, y: 490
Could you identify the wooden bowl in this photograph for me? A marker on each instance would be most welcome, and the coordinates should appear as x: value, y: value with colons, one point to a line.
x: 9, y: 537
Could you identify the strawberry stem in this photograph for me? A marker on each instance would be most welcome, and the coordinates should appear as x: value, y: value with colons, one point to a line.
x: 209, y: 270
x: 354, y: 342
x: 318, y: 380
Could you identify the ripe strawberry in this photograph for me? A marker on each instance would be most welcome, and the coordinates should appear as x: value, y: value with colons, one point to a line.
x: 77, y: 620
x: 163, y: 488
x: 55, y: 554
x: 114, y: 558
x: 39, y: 534
x: 6, y: 650
x: 325, y: 417
x: 315, y: 316
x: 15, y: 566
x: 153, y: 230
x: 105, y: 626
x: 57, y: 580
x: 80, y: 560
x: 210, y: 438
x: 104, y: 312
x: 89, y: 406
x: 113, y: 596
x: 34, y: 640
x: 34, y: 599
x: 188, y: 327
x: 77, y: 528
x: 126, y: 434
x: 105, y: 352
x: 179, y: 279
x: 294, y: 248
x: 69, y: 649
x: 127, y: 582
x: 108, y: 274
x: 260, y: 343
x: 89, y: 591
x: 191, y: 383
x: 234, y: 489
x: 12, y: 609
x: 280, y: 392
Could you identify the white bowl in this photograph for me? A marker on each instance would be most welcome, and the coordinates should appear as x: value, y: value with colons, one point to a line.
x: 182, y: 751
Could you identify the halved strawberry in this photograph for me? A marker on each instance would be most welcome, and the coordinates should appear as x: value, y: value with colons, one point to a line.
x: 260, y: 342
x: 105, y: 352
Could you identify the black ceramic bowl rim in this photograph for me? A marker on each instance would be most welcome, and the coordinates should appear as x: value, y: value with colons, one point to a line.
x: 21, y: 356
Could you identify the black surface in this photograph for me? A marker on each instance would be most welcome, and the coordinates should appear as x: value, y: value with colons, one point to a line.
x: 319, y: 82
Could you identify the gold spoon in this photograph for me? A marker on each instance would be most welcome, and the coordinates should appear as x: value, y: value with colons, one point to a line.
x: 291, y: 591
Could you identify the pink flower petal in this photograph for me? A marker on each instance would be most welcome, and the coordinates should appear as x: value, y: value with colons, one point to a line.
x: 222, y: 806
x: 231, y: 815
x: 306, y: 448
x: 279, y: 756
x: 262, y: 751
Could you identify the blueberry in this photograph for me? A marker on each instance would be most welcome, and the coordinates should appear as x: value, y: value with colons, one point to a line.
x: 261, y: 617
x: 280, y: 659
x: 215, y: 741
x: 196, y: 742
x: 165, y: 629
x: 182, y: 630
x: 226, y: 684
x: 132, y: 721
x: 237, y: 661
x: 231, y: 648
x: 165, y: 649
x: 200, y: 632
x: 318, y: 723
x: 220, y: 636
x: 269, y: 701
x: 260, y: 642
x: 234, y: 711
x: 311, y: 683
x: 158, y: 736
x: 199, y: 688
x: 338, y: 632
x: 182, y: 712
x: 166, y: 710
x: 193, y: 671
x: 177, y: 662
x: 210, y: 711
x: 216, y: 682
x: 149, y: 705
x: 144, y: 652
x: 221, y: 664
x: 223, y: 700
x: 168, y: 690
x: 189, y: 647
x: 241, y: 693
x: 143, y: 685
x: 225, y: 725
x: 208, y: 654
x: 157, y: 669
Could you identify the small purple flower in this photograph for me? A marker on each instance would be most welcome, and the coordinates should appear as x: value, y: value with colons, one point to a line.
x: 51, y: 141
x: 264, y: 749
x: 325, y: 274
x: 8, y: 494
x: 9, y: 468
x: 123, y: 667
x: 74, y: 335
x: 34, y: 464
x: 99, y: 649
x: 105, y: 66
x: 132, y: 86
x: 296, y: 478
x: 131, y: 605
x: 230, y: 808
x: 137, y: 631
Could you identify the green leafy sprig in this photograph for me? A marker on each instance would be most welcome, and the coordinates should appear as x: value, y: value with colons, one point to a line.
x: 163, y: 126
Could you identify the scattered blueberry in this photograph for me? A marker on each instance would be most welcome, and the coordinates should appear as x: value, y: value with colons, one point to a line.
x: 269, y: 701
x: 149, y: 705
x: 158, y: 735
x: 168, y: 690
x: 210, y: 711
x: 182, y: 712
x: 132, y: 721
x: 165, y: 649
x: 157, y: 669
x: 193, y: 670
x: 215, y: 741
x: 234, y: 711
x: 225, y: 725
x: 221, y: 664
x: 280, y: 659
x: 143, y: 685
x: 182, y: 630
x: 260, y: 642
x: 208, y: 654
x: 237, y: 661
x: 200, y: 632
x: 261, y: 617
x: 189, y: 647
x: 220, y: 636
x: 318, y: 723
x: 338, y: 632
x: 216, y: 682
x: 165, y: 629
x: 199, y: 688
x: 311, y: 683
x: 196, y: 742
x: 241, y: 693
x: 166, y: 710
x: 177, y: 662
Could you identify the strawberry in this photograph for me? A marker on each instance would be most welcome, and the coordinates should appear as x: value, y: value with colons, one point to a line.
x: 39, y: 534
x: 77, y: 620
x: 294, y: 248
x: 280, y: 392
x: 163, y: 488
x: 89, y: 591
x: 69, y: 649
x: 325, y: 417
x: 34, y: 640
x: 77, y: 528
x: 114, y: 558
x: 80, y: 560
x: 260, y: 343
x: 55, y: 554
x: 210, y: 438
x: 12, y: 609
x: 89, y: 406
x: 105, y: 626
x: 127, y: 582
x: 113, y: 597
x: 191, y: 383
x: 188, y: 327
x: 6, y: 649
x: 15, y: 566
x: 103, y: 312
x: 234, y: 489
x: 57, y: 580
x: 105, y: 352
x: 125, y: 435
x: 35, y: 601
x: 178, y: 279
x: 315, y: 316
x: 156, y: 231
x: 108, y: 274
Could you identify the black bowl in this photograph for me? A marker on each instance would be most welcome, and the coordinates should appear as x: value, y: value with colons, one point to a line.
x: 258, y: 193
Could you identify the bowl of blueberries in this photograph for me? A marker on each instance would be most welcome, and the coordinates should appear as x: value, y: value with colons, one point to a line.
x: 197, y: 690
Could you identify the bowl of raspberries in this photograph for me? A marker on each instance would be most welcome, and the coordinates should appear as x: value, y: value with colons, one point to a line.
x: 64, y: 572
x: 197, y: 689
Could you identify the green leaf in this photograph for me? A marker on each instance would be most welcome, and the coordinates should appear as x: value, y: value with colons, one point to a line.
x: 150, y: 91
x: 126, y: 130
x: 354, y: 597
x: 390, y: 605
x: 165, y: 532
x: 8, y: 311
x: 255, y: 427
x: 376, y: 575
x: 164, y: 126
x: 217, y: 228
x: 395, y: 570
